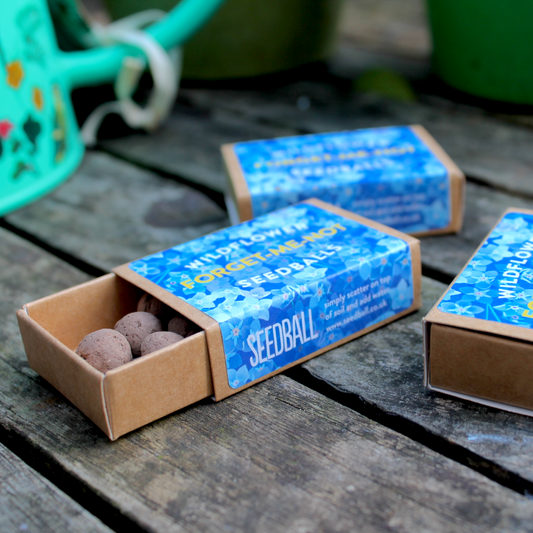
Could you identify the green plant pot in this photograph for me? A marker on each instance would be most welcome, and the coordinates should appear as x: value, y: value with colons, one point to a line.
x: 484, y: 47
x: 252, y: 37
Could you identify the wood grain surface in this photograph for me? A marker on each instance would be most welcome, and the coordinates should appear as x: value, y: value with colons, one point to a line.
x: 111, y: 212
x: 448, y: 254
x: 484, y: 147
x: 385, y: 26
x: 96, y: 202
x: 29, y: 502
x: 188, y: 145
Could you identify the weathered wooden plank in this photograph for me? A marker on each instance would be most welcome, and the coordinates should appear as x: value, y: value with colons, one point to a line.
x: 28, y: 502
x: 349, y: 61
x: 111, y: 212
x: 105, y: 236
x: 484, y: 147
x: 484, y: 206
x: 382, y: 34
x: 275, y: 457
x: 27, y: 274
x: 117, y: 213
x: 188, y: 145
x: 385, y: 371
x: 396, y: 36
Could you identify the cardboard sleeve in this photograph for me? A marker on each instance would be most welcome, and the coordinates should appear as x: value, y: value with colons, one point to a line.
x: 480, y: 360
x: 239, y: 202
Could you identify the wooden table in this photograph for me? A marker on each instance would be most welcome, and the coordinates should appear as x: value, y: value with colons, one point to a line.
x: 349, y: 441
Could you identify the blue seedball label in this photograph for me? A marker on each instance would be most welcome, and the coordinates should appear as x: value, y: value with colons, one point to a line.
x: 497, y: 284
x: 287, y: 284
x: 385, y: 174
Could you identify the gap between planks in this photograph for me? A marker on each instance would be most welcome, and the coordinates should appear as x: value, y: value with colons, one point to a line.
x: 414, y: 431
x: 45, y: 465
x: 76, y: 262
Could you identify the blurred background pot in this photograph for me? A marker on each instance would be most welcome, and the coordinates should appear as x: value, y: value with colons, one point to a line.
x: 484, y: 47
x: 252, y: 37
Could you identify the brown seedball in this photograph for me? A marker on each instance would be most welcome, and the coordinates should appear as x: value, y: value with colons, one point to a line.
x: 105, y: 349
x: 182, y: 326
x: 150, y: 304
x: 157, y: 341
x: 136, y: 327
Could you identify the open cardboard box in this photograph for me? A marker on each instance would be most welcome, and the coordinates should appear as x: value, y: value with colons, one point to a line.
x: 165, y: 381
x: 126, y: 397
x: 480, y: 348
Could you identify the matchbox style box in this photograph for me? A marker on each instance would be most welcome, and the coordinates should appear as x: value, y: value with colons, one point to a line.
x: 398, y: 176
x: 267, y: 294
x: 478, y: 338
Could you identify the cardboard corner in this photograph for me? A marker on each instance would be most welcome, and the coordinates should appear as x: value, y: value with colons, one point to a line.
x: 492, y: 367
x: 73, y: 377
x: 457, y: 181
x: 163, y: 382
x: 495, y: 359
x: 238, y: 188
x: 426, y: 331
x: 476, y: 324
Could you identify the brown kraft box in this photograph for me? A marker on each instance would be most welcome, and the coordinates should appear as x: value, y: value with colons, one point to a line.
x: 478, y: 338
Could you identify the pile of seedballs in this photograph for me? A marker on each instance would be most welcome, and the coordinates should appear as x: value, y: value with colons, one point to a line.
x: 154, y: 326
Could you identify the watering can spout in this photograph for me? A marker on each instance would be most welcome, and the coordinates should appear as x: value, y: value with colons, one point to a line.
x: 40, y: 143
x: 100, y: 65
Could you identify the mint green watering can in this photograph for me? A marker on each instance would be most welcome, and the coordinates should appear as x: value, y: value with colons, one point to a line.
x: 40, y: 143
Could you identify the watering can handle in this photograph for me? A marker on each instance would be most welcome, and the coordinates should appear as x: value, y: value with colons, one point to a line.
x: 100, y: 65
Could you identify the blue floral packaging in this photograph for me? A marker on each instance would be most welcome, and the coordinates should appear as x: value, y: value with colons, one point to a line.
x: 478, y: 337
x: 398, y: 176
x: 285, y: 287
